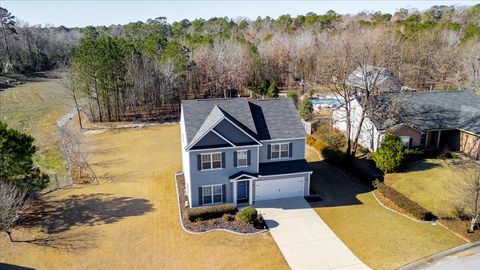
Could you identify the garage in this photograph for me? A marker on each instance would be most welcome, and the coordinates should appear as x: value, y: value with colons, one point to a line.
x: 281, y: 188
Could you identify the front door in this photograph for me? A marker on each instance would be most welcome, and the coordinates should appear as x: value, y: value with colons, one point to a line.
x: 242, y: 191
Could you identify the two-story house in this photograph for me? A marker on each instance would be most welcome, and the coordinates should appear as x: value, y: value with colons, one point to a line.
x: 241, y: 151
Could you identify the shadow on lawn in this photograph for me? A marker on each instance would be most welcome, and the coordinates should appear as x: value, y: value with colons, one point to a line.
x: 333, y: 186
x: 419, y: 166
x: 84, y: 210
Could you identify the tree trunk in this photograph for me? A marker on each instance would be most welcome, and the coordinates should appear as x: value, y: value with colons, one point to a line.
x: 9, y: 233
x: 473, y: 222
x: 78, y: 109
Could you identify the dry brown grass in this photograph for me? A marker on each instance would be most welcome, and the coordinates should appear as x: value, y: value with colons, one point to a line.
x: 130, y: 220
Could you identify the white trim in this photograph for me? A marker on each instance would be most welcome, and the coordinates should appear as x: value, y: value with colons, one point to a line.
x: 258, y: 158
x: 221, y: 148
x: 280, y: 150
x: 309, y: 172
x: 242, y: 130
x: 286, y: 139
x: 192, y: 143
x: 211, y: 195
x: 237, y: 178
x: 246, y: 158
x: 219, y: 135
x: 211, y: 161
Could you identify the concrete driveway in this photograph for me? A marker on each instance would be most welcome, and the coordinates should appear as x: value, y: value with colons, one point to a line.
x: 304, y: 239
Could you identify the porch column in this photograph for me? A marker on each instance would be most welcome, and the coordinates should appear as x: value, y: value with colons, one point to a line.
x: 234, y: 183
x: 250, y: 192
x: 438, y: 139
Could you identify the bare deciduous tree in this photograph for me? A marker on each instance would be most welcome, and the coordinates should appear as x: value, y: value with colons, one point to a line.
x: 466, y: 191
x: 13, y: 202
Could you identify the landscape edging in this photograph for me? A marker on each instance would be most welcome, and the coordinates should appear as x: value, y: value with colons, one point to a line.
x: 212, y: 230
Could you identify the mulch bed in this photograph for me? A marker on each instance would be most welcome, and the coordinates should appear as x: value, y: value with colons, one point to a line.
x: 218, y: 223
x: 460, y: 226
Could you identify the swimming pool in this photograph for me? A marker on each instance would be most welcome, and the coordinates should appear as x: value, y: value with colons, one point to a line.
x: 326, y: 101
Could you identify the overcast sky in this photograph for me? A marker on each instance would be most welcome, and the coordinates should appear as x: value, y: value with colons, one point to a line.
x: 88, y: 12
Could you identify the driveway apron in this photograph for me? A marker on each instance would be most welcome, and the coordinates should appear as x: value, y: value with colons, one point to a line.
x: 304, y: 239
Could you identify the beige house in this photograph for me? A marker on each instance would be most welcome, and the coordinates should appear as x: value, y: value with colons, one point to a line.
x: 429, y: 120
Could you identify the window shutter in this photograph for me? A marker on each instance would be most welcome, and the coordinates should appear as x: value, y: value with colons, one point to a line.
x: 200, y: 196
x: 290, y: 149
x: 224, y: 192
x: 269, y: 151
x: 235, y: 159
x: 199, y: 162
x: 223, y: 159
x: 248, y: 157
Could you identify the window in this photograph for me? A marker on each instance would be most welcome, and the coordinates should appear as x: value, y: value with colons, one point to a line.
x: 211, y: 161
x: 242, y: 157
x: 212, y: 194
x: 280, y: 150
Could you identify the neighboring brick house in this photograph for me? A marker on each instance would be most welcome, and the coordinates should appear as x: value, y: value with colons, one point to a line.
x: 241, y: 151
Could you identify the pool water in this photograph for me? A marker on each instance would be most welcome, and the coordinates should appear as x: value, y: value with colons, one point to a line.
x: 329, y: 101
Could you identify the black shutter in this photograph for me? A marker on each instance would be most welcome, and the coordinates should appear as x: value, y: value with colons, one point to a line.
x: 248, y: 157
x: 290, y: 149
x: 200, y: 196
x: 235, y: 159
x: 223, y: 159
x: 224, y: 192
x: 269, y: 151
x: 199, y: 162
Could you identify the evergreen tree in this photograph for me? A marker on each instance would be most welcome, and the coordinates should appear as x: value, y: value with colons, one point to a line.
x: 305, y: 111
x: 390, y: 156
x: 272, y: 90
x: 16, y: 163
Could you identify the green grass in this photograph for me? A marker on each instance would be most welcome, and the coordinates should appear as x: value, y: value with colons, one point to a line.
x: 380, y: 238
x: 427, y: 183
x: 34, y: 108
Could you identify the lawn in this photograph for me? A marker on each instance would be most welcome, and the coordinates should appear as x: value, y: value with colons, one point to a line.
x: 130, y: 220
x: 380, y: 238
x: 34, y: 107
x: 427, y: 183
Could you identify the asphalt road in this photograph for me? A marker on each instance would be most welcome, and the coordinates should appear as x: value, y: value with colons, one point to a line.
x: 465, y: 260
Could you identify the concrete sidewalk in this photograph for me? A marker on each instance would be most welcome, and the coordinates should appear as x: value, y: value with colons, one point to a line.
x: 304, y: 239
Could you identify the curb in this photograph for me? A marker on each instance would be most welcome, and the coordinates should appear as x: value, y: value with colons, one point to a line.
x: 436, y: 257
x: 212, y: 230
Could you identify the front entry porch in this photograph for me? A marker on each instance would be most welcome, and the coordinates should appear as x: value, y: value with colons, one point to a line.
x: 242, y: 188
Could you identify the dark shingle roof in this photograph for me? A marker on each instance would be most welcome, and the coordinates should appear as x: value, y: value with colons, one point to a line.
x: 262, y: 119
x: 276, y: 119
x: 432, y: 110
x: 284, y: 167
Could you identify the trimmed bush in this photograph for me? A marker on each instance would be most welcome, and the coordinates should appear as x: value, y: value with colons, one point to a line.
x: 318, y: 144
x: 403, y: 202
x: 390, y: 156
x: 211, y: 212
x: 248, y: 214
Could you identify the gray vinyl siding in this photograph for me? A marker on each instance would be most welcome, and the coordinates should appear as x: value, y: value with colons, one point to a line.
x: 232, y: 133
x: 298, y: 150
x: 219, y: 176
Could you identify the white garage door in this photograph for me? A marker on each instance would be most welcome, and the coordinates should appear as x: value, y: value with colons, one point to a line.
x: 282, y: 188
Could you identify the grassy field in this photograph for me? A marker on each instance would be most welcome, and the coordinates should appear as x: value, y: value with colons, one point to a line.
x: 427, y: 183
x: 380, y: 238
x: 34, y: 108
x: 130, y: 220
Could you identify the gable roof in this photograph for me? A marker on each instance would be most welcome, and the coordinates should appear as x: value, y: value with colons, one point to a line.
x: 261, y: 119
x: 432, y: 110
x: 385, y: 80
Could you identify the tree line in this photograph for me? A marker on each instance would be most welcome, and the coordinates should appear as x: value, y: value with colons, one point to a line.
x: 143, y: 68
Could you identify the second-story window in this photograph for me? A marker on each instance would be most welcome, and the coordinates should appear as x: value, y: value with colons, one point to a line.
x: 280, y: 150
x: 242, y: 158
x: 211, y: 161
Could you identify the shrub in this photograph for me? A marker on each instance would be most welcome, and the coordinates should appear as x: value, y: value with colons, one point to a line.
x: 333, y: 155
x: 403, y: 202
x: 390, y: 155
x: 227, y: 217
x: 210, y: 212
x: 333, y: 137
x: 248, y: 214
x: 305, y: 111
